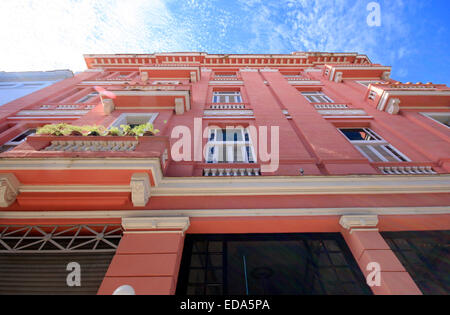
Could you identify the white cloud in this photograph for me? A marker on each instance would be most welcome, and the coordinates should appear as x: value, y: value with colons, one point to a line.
x: 54, y: 34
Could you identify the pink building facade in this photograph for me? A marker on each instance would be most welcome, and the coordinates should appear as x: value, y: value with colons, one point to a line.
x: 308, y: 173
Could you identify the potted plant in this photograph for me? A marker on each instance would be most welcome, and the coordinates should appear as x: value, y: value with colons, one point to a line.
x: 54, y: 129
x: 95, y: 131
x: 114, y: 131
x: 145, y: 130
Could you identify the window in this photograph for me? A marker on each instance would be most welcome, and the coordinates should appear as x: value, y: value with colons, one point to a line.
x: 17, y: 140
x: 7, y: 85
x: 229, y: 146
x: 317, y: 97
x: 32, y: 84
x: 372, y: 146
x: 86, y: 98
x: 426, y: 257
x: 134, y: 119
x: 269, y: 264
x: 227, y: 97
x: 367, y: 83
x: 442, y: 118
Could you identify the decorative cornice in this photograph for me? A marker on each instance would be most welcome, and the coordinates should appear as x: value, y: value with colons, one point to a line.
x: 261, y: 185
x: 155, y: 224
x: 222, y: 213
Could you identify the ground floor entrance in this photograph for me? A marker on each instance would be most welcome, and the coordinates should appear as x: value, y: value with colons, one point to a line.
x: 269, y: 264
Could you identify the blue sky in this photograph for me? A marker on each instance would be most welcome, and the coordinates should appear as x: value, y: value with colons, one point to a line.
x: 53, y: 34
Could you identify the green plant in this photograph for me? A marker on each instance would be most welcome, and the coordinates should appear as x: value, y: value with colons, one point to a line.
x: 127, y: 130
x: 144, y: 129
x: 62, y: 129
x: 95, y: 130
x: 114, y: 131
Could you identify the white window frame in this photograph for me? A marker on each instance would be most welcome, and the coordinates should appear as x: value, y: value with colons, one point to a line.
x: 367, y: 83
x: 86, y: 98
x: 226, y: 94
x: 123, y: 118
x: 380, y: 143
x: 242, y: 144
x: 430, y: 116
x: 317, y: 97
x: 12, y: 144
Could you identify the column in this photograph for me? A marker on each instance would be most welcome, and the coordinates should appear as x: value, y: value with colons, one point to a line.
x: 148, y: 256
x: 367, y: 246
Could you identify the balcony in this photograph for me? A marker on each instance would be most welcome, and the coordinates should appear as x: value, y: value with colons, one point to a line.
x: 393, y: 97
x: 43, y: 146
x: 337, y: 73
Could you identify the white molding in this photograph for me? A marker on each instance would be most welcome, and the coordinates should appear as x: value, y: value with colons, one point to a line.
x: 346, y: 112
x: 237, y: 82
x: 155, y: 223
x: 261, y: 185
x: 248, y: 69
x: 345, y: 117
x: 358, y: 221
x: 44, y: 117
x: 51, y: 112
x: 200, y: 213
x: 225, y: 112
x: 268, y: 70
x: 304, y: 82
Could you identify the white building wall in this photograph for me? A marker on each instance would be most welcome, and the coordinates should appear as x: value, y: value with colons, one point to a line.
x: 14, y: 85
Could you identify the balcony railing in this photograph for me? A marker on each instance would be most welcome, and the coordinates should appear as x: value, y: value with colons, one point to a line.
x: 226, y: 78
x: 91, y: 146
x: 67, y: 106
x: 222, y: 172
x: 330, y: 106
x: 299, y: 78
x: 407, y: 170
x: 228, y: 106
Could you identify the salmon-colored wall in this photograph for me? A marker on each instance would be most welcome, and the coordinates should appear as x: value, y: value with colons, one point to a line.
x: 148, y: 262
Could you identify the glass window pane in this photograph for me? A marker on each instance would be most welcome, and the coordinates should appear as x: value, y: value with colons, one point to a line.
x: 273, y: 264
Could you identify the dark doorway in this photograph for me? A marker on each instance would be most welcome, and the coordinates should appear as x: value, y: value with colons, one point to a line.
x: 269, y: 264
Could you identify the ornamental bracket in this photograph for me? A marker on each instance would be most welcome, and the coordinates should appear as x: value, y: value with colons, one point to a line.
x: 140, y: 189
x: 9, y: 189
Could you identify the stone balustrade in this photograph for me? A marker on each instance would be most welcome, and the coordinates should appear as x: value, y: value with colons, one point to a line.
x: 91, y: 146
x: 407, y: 170
x: 330, y: 106
x: 221, y: 172
x: 227, y: 106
